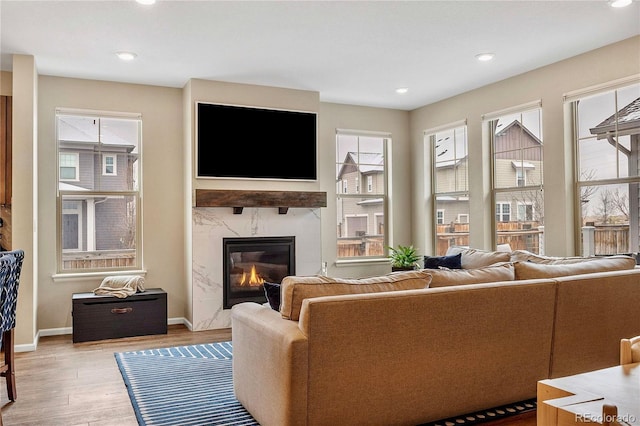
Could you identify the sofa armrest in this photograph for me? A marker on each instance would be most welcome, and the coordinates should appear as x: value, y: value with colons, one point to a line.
x: 269, y: 365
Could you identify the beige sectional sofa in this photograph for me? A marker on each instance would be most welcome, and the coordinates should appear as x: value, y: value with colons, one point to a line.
x: 412, y: 347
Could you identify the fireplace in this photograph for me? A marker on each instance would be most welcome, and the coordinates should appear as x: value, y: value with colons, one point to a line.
x: 251, y: 261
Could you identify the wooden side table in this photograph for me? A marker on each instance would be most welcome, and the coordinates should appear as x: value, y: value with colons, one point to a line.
x: 579, y: 399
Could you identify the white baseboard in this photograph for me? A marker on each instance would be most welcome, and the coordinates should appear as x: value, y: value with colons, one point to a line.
x: 30, y: 347
x: 55, y: 331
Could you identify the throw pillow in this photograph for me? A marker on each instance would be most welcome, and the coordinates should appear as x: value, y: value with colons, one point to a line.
x: 488, y: 274
x: 449, y: 262
x: 272, y: 291
x: 295, y: 289
x: 475, y: 258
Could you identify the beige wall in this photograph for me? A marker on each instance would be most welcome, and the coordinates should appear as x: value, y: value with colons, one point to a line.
x: 168, y: 180
x: 162, y: 190
x: 24, y: 208
x: 547, y: 84
x: 6, y: 82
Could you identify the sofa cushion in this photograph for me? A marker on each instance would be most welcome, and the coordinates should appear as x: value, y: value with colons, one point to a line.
x: 488, y: 274
x: 530, y: 270
x: 294, y: 289
x: 272, y: 292
x: 475, y: 258
x: 527, y: 256
x: 449, y: 262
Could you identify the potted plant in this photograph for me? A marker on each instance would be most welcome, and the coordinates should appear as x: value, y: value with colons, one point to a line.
x: 403, y: 258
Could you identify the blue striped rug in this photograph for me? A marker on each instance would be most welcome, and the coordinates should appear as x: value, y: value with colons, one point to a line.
x: 185, y: 385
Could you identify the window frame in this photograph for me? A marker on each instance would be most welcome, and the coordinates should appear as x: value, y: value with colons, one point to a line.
x: 490, y: 122
x: 114, y: 164
x: 379, y: 196
x: 500, y: 211
x: 571, y: 106
x: 130, y: 198
x: 76, y: 166
x: 460, y: 190
x: 521, y: 177
x: 525, y: 205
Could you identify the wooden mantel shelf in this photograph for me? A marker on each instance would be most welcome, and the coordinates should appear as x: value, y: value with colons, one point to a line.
x: 237, y: 199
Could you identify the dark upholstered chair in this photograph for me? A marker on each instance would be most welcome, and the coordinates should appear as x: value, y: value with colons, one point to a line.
x: 10, y: 267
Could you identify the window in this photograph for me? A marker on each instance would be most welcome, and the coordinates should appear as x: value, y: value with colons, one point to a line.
x: 525, y: 211
x: 517, y: 165
x: 69, y: 167
x: 71, y: 221
x: 98, y: 208
x: 503, y: 212
x: 607, y: 143
x: 109, y: 165
x: 360, y: 157
x: 450, y: 186
x: 521, y: 177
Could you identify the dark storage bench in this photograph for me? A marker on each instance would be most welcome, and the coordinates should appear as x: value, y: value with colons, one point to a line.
x: 108, y: 317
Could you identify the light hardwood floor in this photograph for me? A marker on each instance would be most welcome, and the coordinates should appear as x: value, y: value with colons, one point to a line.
x: 67, y: 384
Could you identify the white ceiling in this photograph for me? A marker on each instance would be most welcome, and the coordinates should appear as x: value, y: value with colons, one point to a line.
x: 354, y: 52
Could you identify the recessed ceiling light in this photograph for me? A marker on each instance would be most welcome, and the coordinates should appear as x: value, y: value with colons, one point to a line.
x: 402, y: 90
x: 126, y: 56
x: 146, y: 2
x: 620, y: 3
x: 484, y: 57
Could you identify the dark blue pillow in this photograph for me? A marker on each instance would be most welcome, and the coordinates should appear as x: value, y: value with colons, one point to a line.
x: 272, y: 291
x: 449, y: 262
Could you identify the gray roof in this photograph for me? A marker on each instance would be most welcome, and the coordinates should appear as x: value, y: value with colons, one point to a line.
x: 627, y: 118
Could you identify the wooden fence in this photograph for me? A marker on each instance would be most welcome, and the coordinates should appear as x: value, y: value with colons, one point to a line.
x: 612, y: 239
x: 519, y: 235
x: 608, y: 239
x: 528, y: 236
x: 98, y: 259
x: 361, y: 246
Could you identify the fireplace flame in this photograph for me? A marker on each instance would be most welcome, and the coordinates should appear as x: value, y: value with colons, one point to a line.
x: 254, y: 278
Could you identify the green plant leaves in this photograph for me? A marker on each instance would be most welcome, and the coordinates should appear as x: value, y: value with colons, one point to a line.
x: 403, y: 256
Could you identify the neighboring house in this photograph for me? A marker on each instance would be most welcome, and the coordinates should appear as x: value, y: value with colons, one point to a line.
x: 366, y: 216
x: 515, y: 166
x: 95, y: 222
x: 518, y: 163
x: 625, y: 123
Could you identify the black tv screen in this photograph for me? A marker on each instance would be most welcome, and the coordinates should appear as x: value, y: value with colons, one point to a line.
x: 255, y: 143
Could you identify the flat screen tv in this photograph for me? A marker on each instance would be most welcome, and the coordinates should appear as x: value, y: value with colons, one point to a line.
x: 255, y: 143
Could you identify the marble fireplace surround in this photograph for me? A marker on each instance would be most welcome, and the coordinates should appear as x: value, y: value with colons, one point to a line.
x: 228, y: 213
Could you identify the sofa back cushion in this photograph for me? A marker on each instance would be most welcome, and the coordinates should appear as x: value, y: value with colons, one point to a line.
x: 475, y: 258
x: 527, y: 256
x: 530, y: 270
x: 294, y: 289
x: 488, y: 274
x: 593, y: 312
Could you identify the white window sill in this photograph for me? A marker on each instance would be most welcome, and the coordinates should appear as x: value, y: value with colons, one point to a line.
x: 76, y: 276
